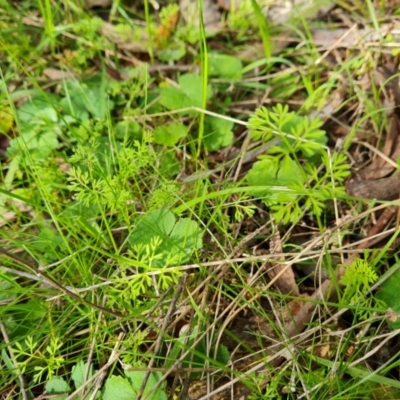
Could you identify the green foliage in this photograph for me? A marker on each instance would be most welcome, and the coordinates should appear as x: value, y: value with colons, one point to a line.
x: 107, y: 185
x: 298, y: 134
x: 84, y: 99
x: 218, y: 133
x: 44, y: 121
x: 158, y: 243
x: 39, y: 129
x: 57, y: 386
x: 79, y: 374
x: 169, y: 135
x: 133, y: 343
x: 107, y: 232
x: 357, y: 280
x: 88, y: 28
x: 224, y: 66
x: 117, y: 387
x: 188, y: 94
x: 50, y: 244
x: 177, y: 239
x: 198, y: 356
x: 49, y: 360
x: 263, y: 28
x: 164, y: 196
x: 389, y: 292
x: 280, y: 178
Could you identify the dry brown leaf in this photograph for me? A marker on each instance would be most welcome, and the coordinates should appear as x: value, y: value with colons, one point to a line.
x: 348, y: 37
x: 283, y: 11
x: 227, y: 4
x: 386, y: 78
x: 58, y: 74
x: 380, y: 189
x: 286, y: 281
x: 211, y: 15
x: 379, y: 168
x: 98, y: 3
x: 333, y: 103
x: 391, y: 315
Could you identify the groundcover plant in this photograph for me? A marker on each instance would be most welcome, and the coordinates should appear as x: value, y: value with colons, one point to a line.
x: 199, y: 199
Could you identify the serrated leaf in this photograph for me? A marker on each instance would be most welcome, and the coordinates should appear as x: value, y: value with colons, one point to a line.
x: 223, y: 354
x: 179, y: 239
x: 169, y: 135
x: 188, y: 94
x: 136, y: 378
x: 224, y: 66
x: 91, y: 97
x: 39, y: 109
x: 117, y: 387
x: 218, y: 133
x: 270, y: 172
x: 78, y: 373
x: 390, y: 293
x: 57, y: 386
x: 128, y: 129
x: 42, y: 144
x: 289, y: 173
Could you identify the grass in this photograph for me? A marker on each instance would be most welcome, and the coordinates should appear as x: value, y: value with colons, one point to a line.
x: 139, y: 231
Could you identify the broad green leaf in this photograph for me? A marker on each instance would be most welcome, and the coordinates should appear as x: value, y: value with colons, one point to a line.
x: 188, y: 94
x: 173, y: 98
x: 218, y: 133
x: 136, y: 378
x: 223, y: 354
x: 42, y: 143
x: 179, y: 238
x: 91, y: 96
x: 270, y: 172
x: 169, y: 135
x: 39, y: 109
x: 389, y: 292
x: 119, y: 388
x: 57, y: 386
x: 192, y: 86
x: 75, y: 108
x: 169, y: 165
x: 172, y: 54
x: 78, y: 373
x: 289, y: 173
x: 128, y: 129
x: 97, y: 102
x: 224, y: 66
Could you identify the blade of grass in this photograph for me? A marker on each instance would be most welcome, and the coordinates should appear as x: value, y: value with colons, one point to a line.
x: 264, y: 29
x: 204, y: 66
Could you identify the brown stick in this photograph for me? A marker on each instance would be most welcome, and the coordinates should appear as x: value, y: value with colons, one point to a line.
x: 380, y: 189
